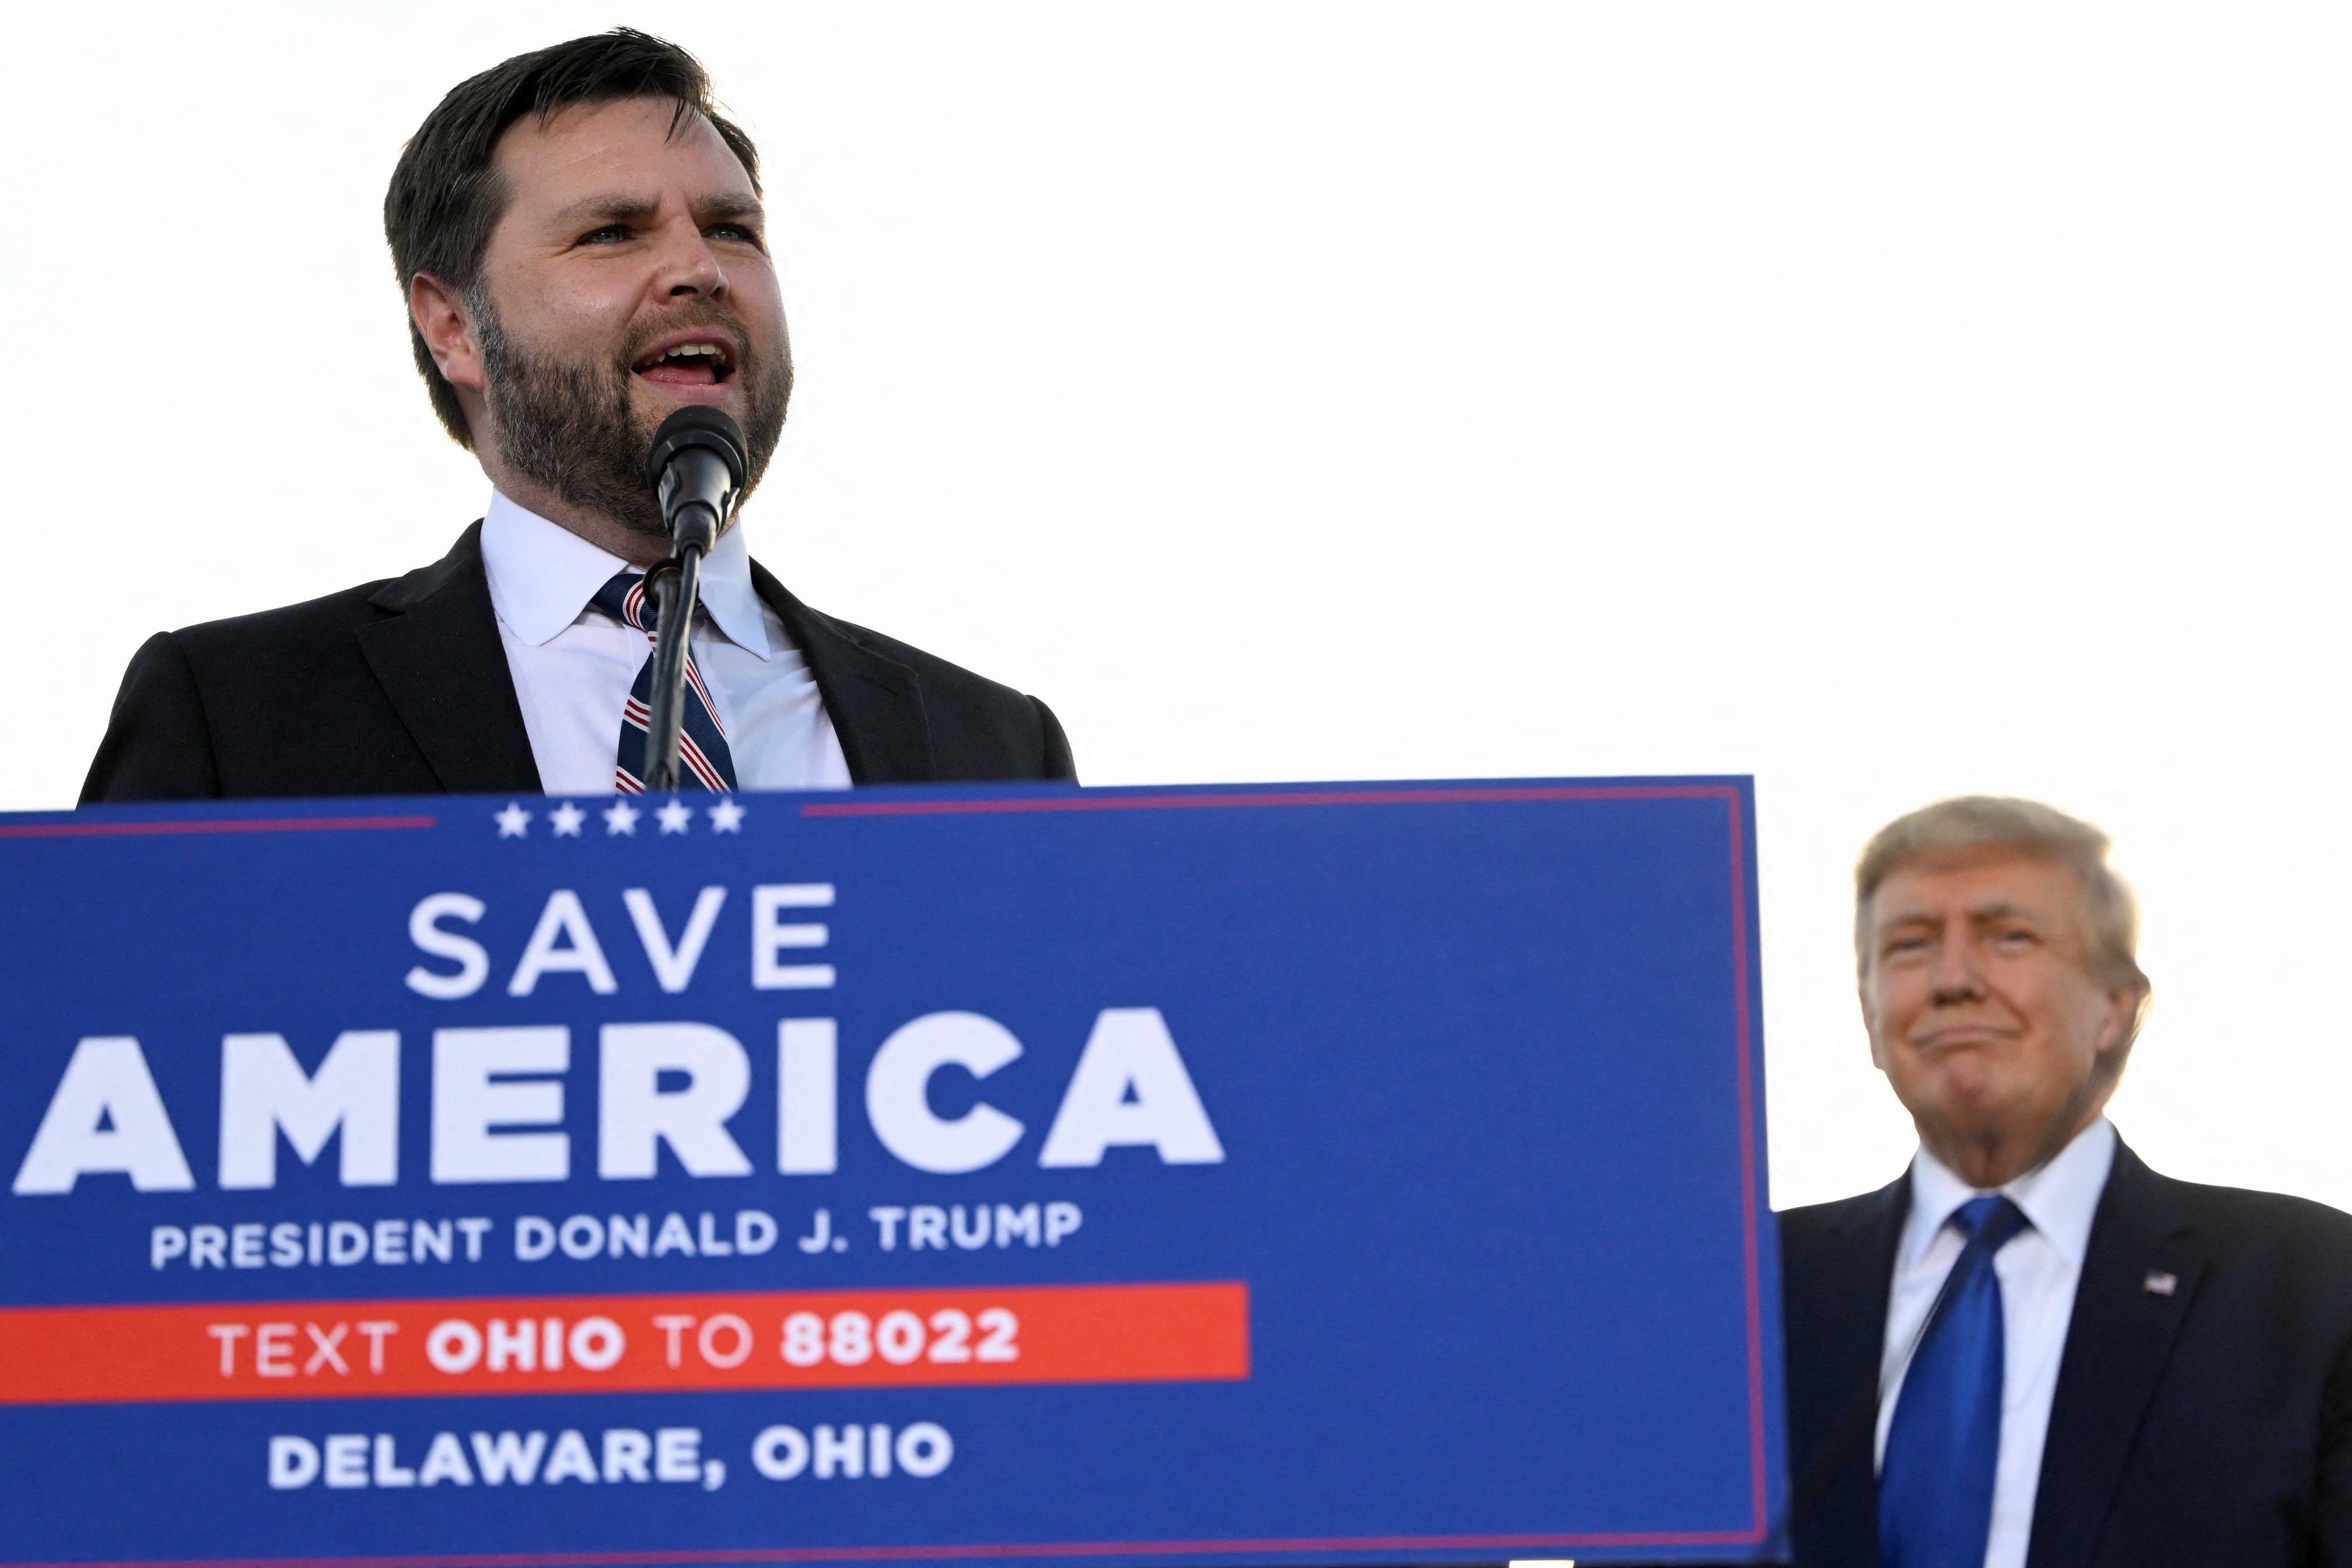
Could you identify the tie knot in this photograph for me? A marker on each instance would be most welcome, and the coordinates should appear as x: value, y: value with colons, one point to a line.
x: 623, y: 599
x: 1989, y: 1222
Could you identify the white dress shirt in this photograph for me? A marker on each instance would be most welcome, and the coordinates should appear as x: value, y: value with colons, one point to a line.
x: 573, y: 665
x: 2038, y: 1271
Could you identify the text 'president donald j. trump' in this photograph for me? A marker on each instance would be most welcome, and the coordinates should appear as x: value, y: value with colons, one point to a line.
x: 2033, y: 1349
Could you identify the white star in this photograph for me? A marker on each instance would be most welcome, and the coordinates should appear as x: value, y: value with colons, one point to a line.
x: 621, y: 817
x: 567, y: 820
x: 726, y: 817
x: 513, y: 822
x: 677, y: 816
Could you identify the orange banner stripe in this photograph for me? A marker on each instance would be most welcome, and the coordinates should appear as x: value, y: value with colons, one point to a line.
x: 569, y: 1344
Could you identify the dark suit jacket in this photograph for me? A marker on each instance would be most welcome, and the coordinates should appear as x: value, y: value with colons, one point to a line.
x: 401, y: 688
x: 2208, y: 1426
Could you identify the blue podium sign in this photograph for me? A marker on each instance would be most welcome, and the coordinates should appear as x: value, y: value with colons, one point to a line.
x: 1320, y: 1175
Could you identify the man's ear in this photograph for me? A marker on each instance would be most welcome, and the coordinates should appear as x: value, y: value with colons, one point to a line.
x: 1870, y: 1024
x: 2121, y: 1024
x: 447, y: 328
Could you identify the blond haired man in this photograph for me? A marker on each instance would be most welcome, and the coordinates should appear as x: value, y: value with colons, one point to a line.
x: 2032, y: 1348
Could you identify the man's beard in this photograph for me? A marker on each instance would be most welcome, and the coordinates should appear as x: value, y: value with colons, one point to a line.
x: 571, y: 427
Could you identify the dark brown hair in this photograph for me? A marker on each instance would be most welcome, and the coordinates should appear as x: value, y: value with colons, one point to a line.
x: 444, y: 197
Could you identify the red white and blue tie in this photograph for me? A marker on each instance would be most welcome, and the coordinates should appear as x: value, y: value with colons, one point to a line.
x: 704, y: 760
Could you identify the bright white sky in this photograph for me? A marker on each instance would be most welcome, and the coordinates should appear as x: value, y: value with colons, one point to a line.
x: 1890, y: 402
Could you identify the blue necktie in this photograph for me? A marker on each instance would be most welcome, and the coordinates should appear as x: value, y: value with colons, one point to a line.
x: 1935, y: 1484
x: 704, y: 760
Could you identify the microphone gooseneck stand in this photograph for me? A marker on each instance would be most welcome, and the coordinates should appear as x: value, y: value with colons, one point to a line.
x: 674, y: 586
x: 697, y: 472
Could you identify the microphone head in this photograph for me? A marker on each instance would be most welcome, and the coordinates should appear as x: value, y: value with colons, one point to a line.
x: 696, y: 426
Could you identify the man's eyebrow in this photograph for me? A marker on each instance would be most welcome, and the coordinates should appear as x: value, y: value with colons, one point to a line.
x: 1981, y: 914
x: 727, y: 205
x: 1901, y: 918
x: 609, y: 208
x: 614, y: 208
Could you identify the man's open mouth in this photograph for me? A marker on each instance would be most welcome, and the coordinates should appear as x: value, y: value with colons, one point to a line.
x: 691, y: 362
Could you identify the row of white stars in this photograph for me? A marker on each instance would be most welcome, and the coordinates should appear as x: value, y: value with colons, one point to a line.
x: 619, y: 818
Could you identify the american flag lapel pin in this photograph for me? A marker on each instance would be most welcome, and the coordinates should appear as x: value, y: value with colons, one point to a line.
x: 2159, y: 1283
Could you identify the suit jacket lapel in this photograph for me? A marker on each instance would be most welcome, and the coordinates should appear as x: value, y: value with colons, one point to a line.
x: 1835, y: 1505
x: 2117, y: 1344
x: 438, y: 658
x: 875, y: 702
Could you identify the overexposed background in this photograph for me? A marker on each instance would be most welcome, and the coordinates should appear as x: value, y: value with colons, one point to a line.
x: 1887, y: 401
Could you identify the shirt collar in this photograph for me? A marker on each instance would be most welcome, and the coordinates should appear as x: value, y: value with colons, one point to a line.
x: 2060, y: 1196
x: 542, y: 575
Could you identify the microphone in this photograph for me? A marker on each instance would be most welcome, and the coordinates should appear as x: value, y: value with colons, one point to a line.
x: 696, y: 469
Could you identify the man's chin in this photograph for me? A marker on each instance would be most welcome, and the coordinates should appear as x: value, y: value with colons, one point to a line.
x: 1963, y: 1096
x: 1989, y: 1116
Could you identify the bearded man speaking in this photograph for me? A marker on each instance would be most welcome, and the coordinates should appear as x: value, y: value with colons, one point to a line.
x: 579, y: 238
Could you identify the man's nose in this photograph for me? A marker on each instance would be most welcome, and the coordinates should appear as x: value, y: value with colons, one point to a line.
x: 689, y: 266
x: 1955, y: 977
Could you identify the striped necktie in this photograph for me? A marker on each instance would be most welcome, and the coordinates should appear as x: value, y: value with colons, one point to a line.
x: 704, y: 760
x: 1943, y: 1448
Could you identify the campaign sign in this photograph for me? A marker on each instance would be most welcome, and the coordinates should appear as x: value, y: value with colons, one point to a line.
x: 1362, y: 1173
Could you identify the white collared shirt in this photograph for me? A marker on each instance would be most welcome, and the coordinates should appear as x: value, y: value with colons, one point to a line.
x: 573, y: 665
x: 2038, y: 1270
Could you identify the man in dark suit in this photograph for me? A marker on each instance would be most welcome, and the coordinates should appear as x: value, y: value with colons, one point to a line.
x: 2033, y: 1349
x: 580, y: 238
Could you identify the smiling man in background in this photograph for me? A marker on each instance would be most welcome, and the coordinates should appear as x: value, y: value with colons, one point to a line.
x: 2033, y: 1348
x: 580, y: 238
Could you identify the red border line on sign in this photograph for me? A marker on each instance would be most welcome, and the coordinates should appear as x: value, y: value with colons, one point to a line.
x: 1315, y: 797
x: 221, y: 825
x: 1748, y: 1162
x: 664, y: 1559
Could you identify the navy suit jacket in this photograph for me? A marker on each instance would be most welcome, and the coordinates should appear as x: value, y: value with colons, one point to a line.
x: 401, y: 688
x: 2209, y: 1424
